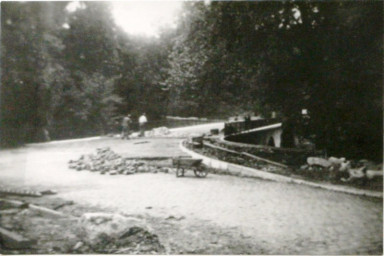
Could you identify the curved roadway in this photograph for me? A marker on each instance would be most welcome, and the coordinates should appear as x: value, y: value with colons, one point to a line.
x: 273, y: 218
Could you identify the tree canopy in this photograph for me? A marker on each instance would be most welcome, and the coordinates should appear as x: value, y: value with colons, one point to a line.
x: 74, y: 73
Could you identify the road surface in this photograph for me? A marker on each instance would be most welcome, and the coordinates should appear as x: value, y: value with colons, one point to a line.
x: 215, y: 215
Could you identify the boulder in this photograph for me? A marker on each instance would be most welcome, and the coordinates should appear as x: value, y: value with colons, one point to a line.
x: 345, y: 166
x: 335, y: 160
x: 165, y: 170
x: 368, y: 164
x: 142, y: 169
x: 94, y: 226
x: 371, y: 174
x: 319, y: 161
x: 77, y: 246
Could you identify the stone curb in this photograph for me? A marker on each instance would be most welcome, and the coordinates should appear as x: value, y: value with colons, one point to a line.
x: 251, y: 172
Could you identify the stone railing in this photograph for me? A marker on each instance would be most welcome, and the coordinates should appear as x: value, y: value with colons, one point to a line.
x: 231, y: 128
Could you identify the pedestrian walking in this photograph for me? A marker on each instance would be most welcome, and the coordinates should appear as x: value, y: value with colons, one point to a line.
x: 142, y: 123
x: 126, y: 127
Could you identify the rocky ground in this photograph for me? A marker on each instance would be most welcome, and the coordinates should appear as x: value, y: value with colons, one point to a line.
x: 171, y: 235
x: 304, y: 171
x: 74, y: 232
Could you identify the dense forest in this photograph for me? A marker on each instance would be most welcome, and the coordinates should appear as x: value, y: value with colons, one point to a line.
x: 75, y: 73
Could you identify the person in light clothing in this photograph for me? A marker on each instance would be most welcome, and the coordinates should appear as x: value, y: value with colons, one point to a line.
x: 142, y: 122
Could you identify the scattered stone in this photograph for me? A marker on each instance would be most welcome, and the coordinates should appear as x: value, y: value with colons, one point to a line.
x: 355, y: 174
x: 140, y: 240
x: 345, y: 166
x: 112, y: 172
x: 48, y: 192
x: 139, y: 164
x: 19, y: 192
x: 78, y: 245
x: 107, y: 161
x: 93, y: 225
x: 335, y: 160
x: 371, y: 174
x: 141, y: 142
x: 114, y: 233
x: 319, y: 161
x: 12, y: 240
x: 158, y: 132
x: 63, y: 204
x: 9, y: 212
x: 171, y: 217
x: 141, y: 169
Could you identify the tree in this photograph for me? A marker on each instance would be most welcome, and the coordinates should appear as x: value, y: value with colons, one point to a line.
x: 23, y: 91
x: 286, y: 56
x: 143, y: 70
x: 87, y: 102
x: 50, y: 83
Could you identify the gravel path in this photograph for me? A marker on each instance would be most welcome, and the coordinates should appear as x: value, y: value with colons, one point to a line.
x: 268, y: 217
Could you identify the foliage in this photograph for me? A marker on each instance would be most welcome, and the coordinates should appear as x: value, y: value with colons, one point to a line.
x: 74, y: 73
x: 286, y: 56
x: 64, y: 74
x: 26, y: 43
x: 142, y: 72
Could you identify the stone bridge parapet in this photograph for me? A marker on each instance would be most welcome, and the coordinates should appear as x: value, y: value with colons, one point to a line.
x: 260, y: 132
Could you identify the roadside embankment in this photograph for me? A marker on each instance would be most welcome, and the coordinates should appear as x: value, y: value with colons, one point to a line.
x: 243, y: 171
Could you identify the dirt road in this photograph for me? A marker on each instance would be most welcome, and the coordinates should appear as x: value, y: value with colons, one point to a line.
x: 215, y: 215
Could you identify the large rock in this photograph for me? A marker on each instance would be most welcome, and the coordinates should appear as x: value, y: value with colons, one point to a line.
x: 319, y: 161
x: 335, y: 160
x: 95, y: 226
x: 371, y: 174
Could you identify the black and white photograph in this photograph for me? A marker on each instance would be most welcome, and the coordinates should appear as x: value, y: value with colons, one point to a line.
x: 175, y: 127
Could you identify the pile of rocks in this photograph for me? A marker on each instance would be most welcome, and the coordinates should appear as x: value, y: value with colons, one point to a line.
x: 342, y: 170
x: 158, y: 132
x: 114, y: 233
x: 105, y: 161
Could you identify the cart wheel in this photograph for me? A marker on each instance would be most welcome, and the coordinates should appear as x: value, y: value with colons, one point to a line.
x: 200, y: 173
x: 180, y: 172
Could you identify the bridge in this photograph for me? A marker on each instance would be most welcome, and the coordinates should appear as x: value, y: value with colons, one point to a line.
x: 260, y: 132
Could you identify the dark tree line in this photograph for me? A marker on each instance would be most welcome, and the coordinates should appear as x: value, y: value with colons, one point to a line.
x: 75, y: 73
x: 68, y: 73
x: 286, y: 56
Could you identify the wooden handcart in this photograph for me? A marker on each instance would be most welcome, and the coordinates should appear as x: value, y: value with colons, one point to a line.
x: 182, y: 164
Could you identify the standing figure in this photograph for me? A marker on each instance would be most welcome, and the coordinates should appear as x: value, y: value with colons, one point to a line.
x: 126, y: 127
x: 142, y: 122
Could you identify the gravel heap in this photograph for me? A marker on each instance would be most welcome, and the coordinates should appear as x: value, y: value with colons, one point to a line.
x: 135, y: 241
x: 105, y: 161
